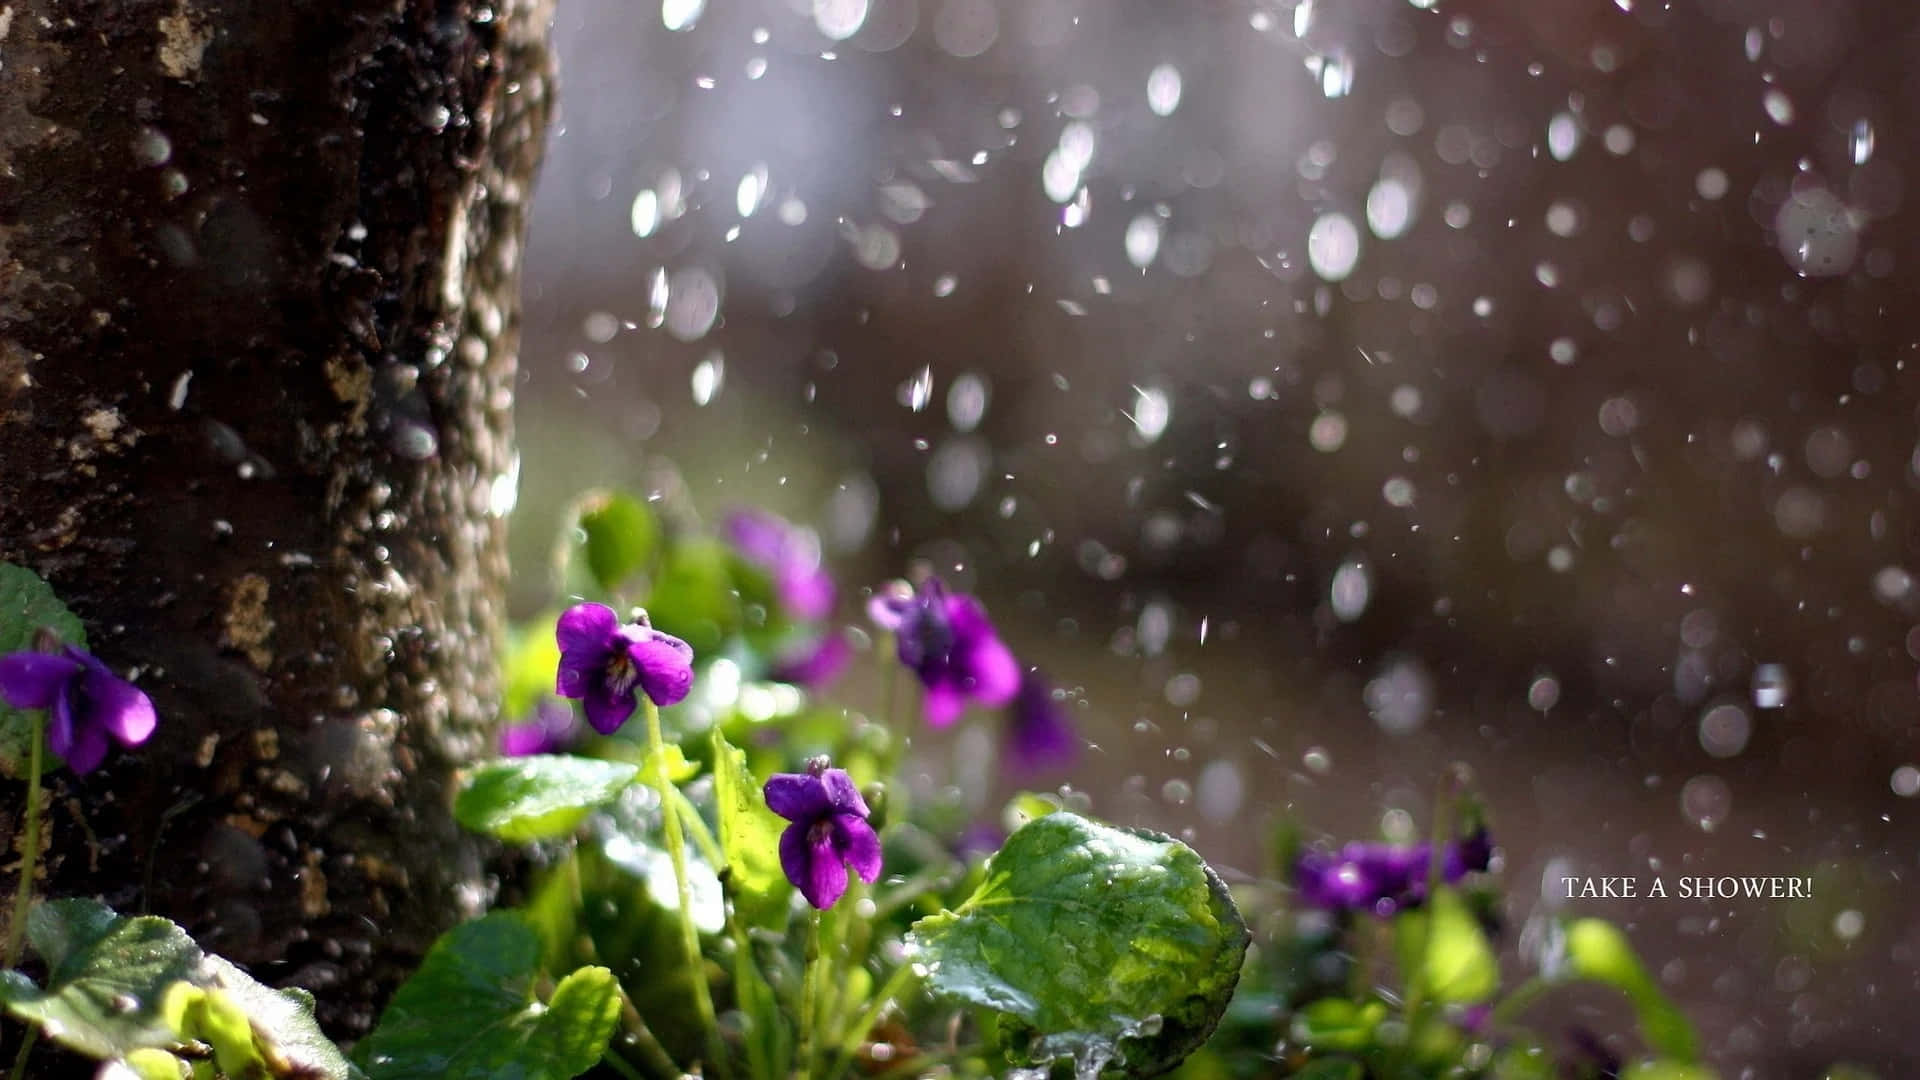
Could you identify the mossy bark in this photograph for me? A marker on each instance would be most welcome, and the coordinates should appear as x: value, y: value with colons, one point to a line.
x: 258, y: 314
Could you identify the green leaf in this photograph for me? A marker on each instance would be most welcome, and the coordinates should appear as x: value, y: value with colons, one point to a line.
x: 538, y: 797
x: 285, y: 1036
x: 670, y: 760
x: 532, y: 657
x: 150, y: 1064
x: 27, y: 604
x: 1600, y: 952
x: 695, y: 597
x: 1668, y: 1070
x: 1337, y: 1024
x: 621, y: 537
x: 116, y: 986
x: 106, y: 977
x: 469, y: 1013
x: 1331, y: 1069
x: 1116, y: 948
x: 1459, y: 967
x: 749, y: 838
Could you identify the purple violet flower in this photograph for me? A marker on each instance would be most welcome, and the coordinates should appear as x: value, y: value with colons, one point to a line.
x: 829, y: 831
x: 1039, y: 733
x: 552, y: 728
x: 86, y: 703
x: 790, y: 555
x: 946, y: 640
x: 604, y: 662
x: 1383, y: 878
x: 815, y: 663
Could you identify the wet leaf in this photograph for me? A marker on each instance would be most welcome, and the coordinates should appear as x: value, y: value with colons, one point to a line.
x: 106, y: 977
x: 622, y: 538
x: 538, y: 797
x: 27, y: 604
x: 1598, y: 951
x: 749, y: 838
x: 470, y: 1012
x: 1459, y: 967
x: 1116, y: 948
x: 1337, y: 1024
x: 117, y: 986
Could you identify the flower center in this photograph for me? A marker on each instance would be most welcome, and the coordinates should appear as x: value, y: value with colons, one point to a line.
x: 621, y: 674
x: 820, y: 832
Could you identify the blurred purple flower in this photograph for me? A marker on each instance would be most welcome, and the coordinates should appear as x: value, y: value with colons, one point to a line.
x: 1383, y: 878
x: 86, y: 703
x: 789, y: 554
x: 604, y: 662
x: 1039, y: 733
x: 829, y: 831
x: 552, y: 728
x: 946, y: 640
x: 815, y: 663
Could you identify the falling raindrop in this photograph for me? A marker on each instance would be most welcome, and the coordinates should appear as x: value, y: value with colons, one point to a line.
x: 1143, y: 240
x: 1771, y: 686
x: 708, y: 375
x: 1333, y: 246
x: 917, y: 391
x: 1706, y: 801
x: 1351, y: 588
x: 1860, y: 141
x: 1163, y: 90
x: 681, y: 14
x: 1151, y: 412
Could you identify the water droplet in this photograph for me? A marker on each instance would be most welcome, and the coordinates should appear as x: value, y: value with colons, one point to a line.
x: 1563, y: 136
x: 1817, y: 233
x: 1163, y: 89
x: 1333, y: 246
x: 917, y: 391
x: 1860, y: 141
x: 1152, y: 411
x: 1724, y: 730
x: 1143, y: 240
x: 681, y: 14
x: 1350, y: 590
x: 1317, y: 760
x: 1771, y: 686
x: 1544, y: 694
x: 1778, y: 105
x: 839, y: 20
x: 1706, y: 801
x: 708, y: 376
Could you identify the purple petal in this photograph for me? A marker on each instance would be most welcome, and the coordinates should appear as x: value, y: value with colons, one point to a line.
x: 89, y: 749
x: 607, y: 711
x: 521, y: 740
x: 116, y: 706
x: 806, y: 593
x: 890, y: 604
x: 31, y: 680
x: 665, y: 664
x: 575, y: 674
x: 965, y: 615
x: 798, y: 797
x: 943, y: 704
x: 859, y: 845
x: 1039, y: 735
x: 994, y: 673
x: 586, y: 635
x: 758, y: 536
x: 843, y: 795
x: 816, y: 664
x: 793, y: 854
x: 826, y: 876
x: 60, y: 727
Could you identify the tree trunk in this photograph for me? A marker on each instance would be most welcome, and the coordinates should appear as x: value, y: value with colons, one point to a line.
x: 258, y: 313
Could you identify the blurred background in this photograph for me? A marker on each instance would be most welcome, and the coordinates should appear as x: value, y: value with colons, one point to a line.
x: 1321, y: 392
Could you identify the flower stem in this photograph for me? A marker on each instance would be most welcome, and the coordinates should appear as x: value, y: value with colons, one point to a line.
x: 676, y: 851
x: 809, y: 998
x: 850, y: 1045
x: 23, y: 899
x: 26, y: 1048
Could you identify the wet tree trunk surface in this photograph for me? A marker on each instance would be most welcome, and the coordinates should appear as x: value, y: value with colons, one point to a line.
x: 258, y: 316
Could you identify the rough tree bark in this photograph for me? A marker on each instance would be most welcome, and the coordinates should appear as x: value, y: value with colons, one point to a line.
x: 257, y: 327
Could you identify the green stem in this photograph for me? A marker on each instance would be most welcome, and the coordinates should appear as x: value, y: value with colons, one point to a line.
x: 809, y: 998
x: 26, y: 1047
x: 676, y: 851
x: 644, y: 1040
x: 23, y: 899
x: 1517, y: 1002
x: 850, y: 1044
x: 1416, y: 1005
x: 620, y: 1065
x: 702, y: 836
